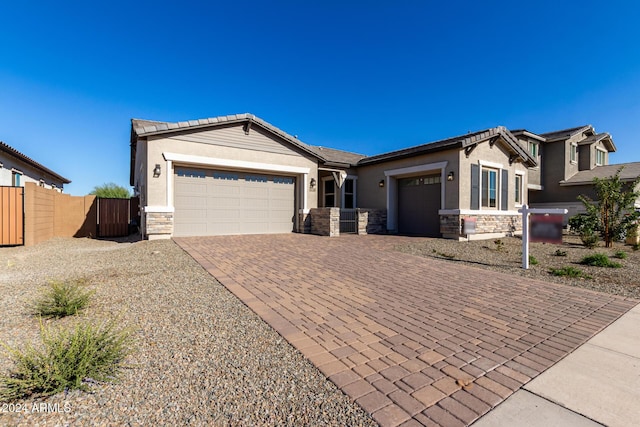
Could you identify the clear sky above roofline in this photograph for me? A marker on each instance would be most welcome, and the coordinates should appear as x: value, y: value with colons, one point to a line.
x: 366, y: 77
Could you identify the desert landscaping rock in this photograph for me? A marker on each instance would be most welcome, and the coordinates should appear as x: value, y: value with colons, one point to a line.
x: 202, y: 357
x: 506, y: 256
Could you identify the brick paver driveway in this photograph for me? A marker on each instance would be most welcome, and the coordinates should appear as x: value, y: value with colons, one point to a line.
x: 412, y: 340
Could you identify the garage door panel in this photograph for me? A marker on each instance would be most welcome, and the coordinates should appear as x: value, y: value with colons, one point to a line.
x: 418, y: 205
x: 224, y: 215
x: 232, y: 203
x: 255, y: 204
x: 223, y: 203
x: 222, y: 189
x: 192, y: 202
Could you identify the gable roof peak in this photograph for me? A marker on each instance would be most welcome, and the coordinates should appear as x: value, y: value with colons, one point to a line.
x: 460, y: 141
x: 566, y: 133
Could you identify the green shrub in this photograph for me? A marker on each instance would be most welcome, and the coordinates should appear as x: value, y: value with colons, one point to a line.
x: 446, y: 255
x: 532, y: 260
x: 560, y: 253
x: 636, y: 247
x: 568, y: 271
x: 599, y: 260
x: 589, y: 240
x: 67, y: 359
x: 620, y: 255
x: 587, y: 227
x: 62, y: 299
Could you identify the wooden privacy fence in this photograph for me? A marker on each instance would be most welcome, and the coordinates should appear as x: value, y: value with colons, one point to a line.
x: 48, y: 214
x: 11, y: 216
x: 33, y: 214
x: 113, y: 217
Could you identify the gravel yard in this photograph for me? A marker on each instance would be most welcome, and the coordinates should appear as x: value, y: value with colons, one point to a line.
x: 506, y: 255
x: 202, y: 357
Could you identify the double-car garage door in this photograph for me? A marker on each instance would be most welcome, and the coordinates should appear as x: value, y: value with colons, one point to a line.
x: 216, y: 202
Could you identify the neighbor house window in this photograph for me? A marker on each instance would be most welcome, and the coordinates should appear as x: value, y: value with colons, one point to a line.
x: 489, y: 188
x: 518, y: 195
x: 349, y: 189
x: 533, y: 149
x: 574, y: 153
x: 329, y: 193
x: 600, y: 157
x: 16, y: 179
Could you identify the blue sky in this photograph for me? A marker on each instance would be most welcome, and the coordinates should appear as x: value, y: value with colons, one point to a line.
x: 363, y: 76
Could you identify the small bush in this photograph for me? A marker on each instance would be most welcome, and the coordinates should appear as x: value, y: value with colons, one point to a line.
x: 620, y: 255
x: 560, y: 253
x: 589, y: 240
x: 62, y: 299
x: 532, y: 260
x: 599, y: 260
x: 446, y: 255
x: 499, y: 244
x: 587, y: 227
x: 568, y: 271
x: 67, y: 359
x: 636, y: 247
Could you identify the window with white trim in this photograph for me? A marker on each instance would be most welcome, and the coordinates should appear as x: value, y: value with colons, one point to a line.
x: 534, y: 149
x: 489, y: 192
x: 518, y: 189
x: 16, y: 179
x: 601, y: 157
x: 574, y: 153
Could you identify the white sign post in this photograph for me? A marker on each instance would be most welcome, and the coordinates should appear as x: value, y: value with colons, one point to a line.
x: 525, y: 228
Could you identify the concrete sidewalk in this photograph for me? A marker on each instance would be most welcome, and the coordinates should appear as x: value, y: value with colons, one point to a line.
x: 597, y: 384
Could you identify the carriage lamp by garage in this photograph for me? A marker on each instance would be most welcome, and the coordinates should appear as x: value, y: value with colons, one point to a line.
x: 312, y: 183
x: 381, y: 183
x: 450, y: 176
x: 156, y: 171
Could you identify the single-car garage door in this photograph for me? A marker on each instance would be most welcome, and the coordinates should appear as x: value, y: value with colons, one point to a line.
x: 213, y: 202
x: 418, y: 205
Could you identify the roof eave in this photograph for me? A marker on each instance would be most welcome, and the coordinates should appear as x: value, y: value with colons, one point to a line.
x: 381, y: 158
x: 529, y: 134
x: 217, y: 122
x: 25, y: 159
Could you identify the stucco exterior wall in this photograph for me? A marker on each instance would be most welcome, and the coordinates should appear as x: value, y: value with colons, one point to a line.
x: 498, y: 156
x: 226, y: 148
x: 258, y: 148
x: 29, y: 173
x: 535, y: 173
x: 371, y: 195
x: 554, y: 169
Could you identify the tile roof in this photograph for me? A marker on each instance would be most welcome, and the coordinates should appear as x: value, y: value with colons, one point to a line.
x: 330, y: 155
x: 604, y: 137
x: 630, y: 172
x: 564, y: 133
x: 594, y: 138
x: 28, y: 160
x: 460, y: 141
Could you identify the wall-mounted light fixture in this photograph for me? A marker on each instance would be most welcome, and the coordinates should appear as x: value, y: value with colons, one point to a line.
x: 450, y: 176
x: 157, y: 171
x: 381, y: 183
x: 312, y: 183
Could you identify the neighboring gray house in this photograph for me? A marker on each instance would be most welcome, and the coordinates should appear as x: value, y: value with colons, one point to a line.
x: 16, y: 169
x: 239, y: 174
x: 568, y: 160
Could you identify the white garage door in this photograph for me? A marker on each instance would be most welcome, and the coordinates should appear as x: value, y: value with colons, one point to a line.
x: 212, y: 202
